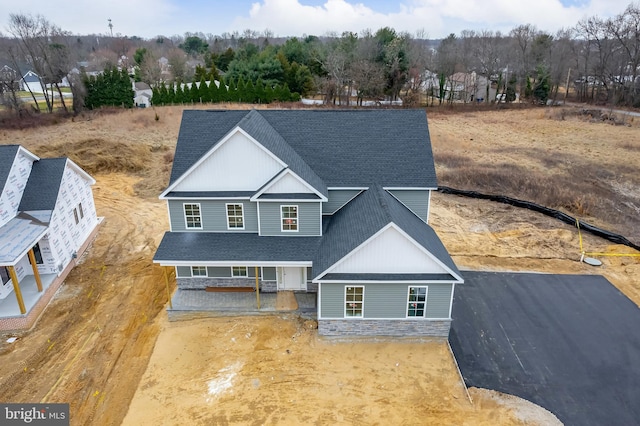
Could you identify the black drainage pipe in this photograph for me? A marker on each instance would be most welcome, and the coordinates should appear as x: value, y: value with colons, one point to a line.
x: 614, y: 238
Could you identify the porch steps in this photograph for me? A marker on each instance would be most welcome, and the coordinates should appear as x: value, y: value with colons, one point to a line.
x: 286, y: 301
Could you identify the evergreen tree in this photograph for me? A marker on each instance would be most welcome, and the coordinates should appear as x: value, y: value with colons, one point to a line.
x: 250, y: 93
x: 232, y: 92
x: 203, y: 91
x: 511, y: 88
x: 259, y: 91
x: 194, y: 94
x: 112, y: 87
x: 179, y: 97
x: 171, y: 95
x: 542, y: 87
x: 241, y: 92
x: 215, y: 94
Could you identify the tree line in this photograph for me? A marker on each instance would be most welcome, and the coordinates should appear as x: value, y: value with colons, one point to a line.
x: 597, y: 60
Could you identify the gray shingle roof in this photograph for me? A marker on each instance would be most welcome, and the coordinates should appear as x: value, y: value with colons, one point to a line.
x: 365, y: 215
x: 351, y: 226
x: 260, y: 129
x: 7, y: 157
x: 41, y: 192
x: 341, y: 147
x: 179, y: 246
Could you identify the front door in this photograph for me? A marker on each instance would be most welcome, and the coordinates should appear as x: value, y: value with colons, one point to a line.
x: 291, y: 278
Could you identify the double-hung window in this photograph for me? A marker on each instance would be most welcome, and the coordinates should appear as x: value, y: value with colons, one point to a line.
x: 198, y: 271
x: 353, y: 301
x: 192, y: 216
x: 289, y: 218
x: 239, y: 271
x: 235, y: 217
x: 417, y: 303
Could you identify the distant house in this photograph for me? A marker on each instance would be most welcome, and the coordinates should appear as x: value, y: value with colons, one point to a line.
x: 31, y: 82
x: 47, y: 219
x: 142, y: 94
x: 331, y: 205
x: 9, y: 79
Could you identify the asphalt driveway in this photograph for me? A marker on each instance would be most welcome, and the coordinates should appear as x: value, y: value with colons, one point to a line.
x: 569, y: 343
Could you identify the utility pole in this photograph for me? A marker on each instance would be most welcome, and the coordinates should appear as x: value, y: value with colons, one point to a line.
x: 110, y: 27
x: 566, y: 89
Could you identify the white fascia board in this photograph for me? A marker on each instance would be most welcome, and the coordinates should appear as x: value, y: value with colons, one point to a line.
x: 26, y: 152
x: 383, y: 282
x: 80, y: 171
x: 347, y: 188
x: 286, y: 200
x: 230, y: 263
x: 407, y: 188
x: 217, y: 146
x: 383, y: 319
x: 203, y: 198
x: 280, y: 176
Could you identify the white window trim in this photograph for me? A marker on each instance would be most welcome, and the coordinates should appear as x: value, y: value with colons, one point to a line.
x: 426, y: 299
x: 246, y: 272
x: 282, y: 206
x: 206, y: 272
x: 344, y: 305
x: 226, y: 207
x: 184, y: 213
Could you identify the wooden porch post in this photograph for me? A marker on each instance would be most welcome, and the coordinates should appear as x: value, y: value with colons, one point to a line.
x: 166, y: 282
x: 257, y: 288
x: 36, y: 273
x: 16, y: 288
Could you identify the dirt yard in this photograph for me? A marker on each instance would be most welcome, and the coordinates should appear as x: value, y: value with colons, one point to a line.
x: 105, y: 337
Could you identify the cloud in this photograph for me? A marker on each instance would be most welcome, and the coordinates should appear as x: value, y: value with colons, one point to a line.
x: 437, y: 17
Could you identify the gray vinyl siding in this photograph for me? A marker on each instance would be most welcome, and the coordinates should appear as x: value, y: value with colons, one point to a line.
x: 214, y: 215
x: 439, y: 300
x: 332, y: 299
x: 386, y: 300
x: 416, y: 200
x: 309, y: 219
x: 338, y: 198
x: 269, y: 273
x: 183, y: 271
x: 219, y: 271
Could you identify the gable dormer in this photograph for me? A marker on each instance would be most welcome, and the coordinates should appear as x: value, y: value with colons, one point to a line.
x: 236, y: 163
x: 288, y: 184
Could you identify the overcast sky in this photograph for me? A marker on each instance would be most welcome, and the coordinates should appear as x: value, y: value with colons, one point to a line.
x: 438, y: 18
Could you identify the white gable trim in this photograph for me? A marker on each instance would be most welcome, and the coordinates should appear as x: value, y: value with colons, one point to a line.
x: 282, y: 175
x: 318, y: 278
x: 26, y: 152
x: 408, y: 188
x: 81, y: 172
x: 217, y: 146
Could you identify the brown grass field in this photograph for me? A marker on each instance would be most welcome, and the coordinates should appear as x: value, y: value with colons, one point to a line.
x: 104, y: 344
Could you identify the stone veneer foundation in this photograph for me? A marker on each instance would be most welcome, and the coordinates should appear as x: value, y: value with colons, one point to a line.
x: 400, y: 327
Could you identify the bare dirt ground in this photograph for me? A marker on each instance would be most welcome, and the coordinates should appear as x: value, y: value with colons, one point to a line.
x: 93, y: 344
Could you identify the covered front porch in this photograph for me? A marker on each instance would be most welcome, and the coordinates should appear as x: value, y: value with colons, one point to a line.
x: 232, y: 303
x: 10, y: 307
